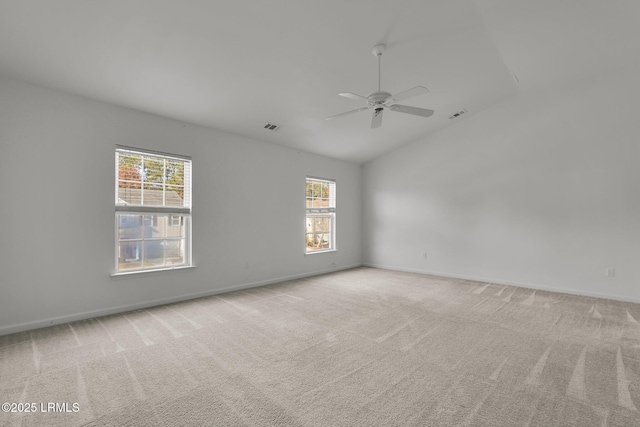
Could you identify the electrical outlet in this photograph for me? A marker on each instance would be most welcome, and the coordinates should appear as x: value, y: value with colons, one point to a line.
x: 610, y: 272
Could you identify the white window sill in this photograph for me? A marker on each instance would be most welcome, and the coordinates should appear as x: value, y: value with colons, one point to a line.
x: 155, y: 271
x: 321, y: 252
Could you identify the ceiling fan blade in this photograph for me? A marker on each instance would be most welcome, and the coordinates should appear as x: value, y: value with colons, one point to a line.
x: 410, y: 93
x: 347, y: 113
x: 376, y: 121
x: 412, y: 110
x: 353, y: 96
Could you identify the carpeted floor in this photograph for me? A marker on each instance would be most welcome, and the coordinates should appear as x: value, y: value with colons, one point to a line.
x: 362, y: 347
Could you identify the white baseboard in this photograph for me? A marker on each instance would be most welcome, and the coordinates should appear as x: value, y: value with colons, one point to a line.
x: 27, y: 326
x: 508, y: 283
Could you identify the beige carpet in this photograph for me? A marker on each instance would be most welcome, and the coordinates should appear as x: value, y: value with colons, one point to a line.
x: 363, y: 347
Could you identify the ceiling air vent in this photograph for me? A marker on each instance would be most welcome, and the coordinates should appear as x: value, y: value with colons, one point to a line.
x: 456, y: 115
x: 271, y: 126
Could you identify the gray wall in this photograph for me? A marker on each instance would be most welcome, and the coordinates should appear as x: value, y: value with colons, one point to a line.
x: 542, y: 190
x: 57, y: 209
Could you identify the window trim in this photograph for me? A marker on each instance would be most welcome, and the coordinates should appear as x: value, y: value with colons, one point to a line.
x: 168, y: 211
x: 150, y: 272
x: 322, y: 212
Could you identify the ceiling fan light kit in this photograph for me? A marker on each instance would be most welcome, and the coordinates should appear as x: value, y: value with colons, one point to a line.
x: 380, y: 99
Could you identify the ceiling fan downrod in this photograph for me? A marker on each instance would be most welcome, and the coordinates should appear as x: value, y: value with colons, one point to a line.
x: 377, y: 51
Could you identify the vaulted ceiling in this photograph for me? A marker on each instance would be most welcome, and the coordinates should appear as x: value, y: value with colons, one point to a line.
x: 238, y: 65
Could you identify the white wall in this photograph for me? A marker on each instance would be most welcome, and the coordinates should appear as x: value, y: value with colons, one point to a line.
x: 57, y: 213
x: 542, y: 190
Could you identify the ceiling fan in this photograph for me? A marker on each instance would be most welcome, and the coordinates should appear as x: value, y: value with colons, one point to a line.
x: 380, y: 99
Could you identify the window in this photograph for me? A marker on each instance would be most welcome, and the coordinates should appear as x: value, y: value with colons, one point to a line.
x: 153, y: 211
x: 321, y: 215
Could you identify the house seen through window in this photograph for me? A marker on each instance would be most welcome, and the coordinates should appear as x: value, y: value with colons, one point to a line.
x: 153, y: 210
x: 320, y: 233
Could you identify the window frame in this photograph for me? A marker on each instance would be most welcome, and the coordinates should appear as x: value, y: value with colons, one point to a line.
x: 322, y: 212
x: 157, y: 211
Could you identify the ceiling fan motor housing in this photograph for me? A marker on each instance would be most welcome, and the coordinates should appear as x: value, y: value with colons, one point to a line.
x: 379, y: 98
